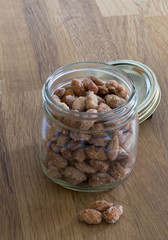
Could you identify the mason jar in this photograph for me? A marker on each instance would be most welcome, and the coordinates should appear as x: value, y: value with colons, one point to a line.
x: 88, y: 151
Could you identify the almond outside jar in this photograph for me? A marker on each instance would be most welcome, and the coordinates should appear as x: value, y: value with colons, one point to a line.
x: 90, y: 146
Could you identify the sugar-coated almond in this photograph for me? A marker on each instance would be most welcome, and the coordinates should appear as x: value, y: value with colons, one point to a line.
x: 90, y: 216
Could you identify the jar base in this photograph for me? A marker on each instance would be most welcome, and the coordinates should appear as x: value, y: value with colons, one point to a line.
x: 84, y: 187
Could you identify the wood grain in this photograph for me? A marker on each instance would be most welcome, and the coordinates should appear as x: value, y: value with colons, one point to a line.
x: 37, y: 37
x: 145, y: 8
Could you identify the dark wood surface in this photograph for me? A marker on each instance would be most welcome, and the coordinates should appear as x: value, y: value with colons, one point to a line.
x: 37, y: 37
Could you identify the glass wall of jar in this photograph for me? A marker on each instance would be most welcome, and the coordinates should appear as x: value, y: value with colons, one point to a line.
x: 88, y: 151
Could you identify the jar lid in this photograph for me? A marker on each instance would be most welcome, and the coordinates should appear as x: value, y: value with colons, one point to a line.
x: 149, y: 93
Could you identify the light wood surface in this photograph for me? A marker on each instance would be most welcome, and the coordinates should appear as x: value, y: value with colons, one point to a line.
x: 37, y: 37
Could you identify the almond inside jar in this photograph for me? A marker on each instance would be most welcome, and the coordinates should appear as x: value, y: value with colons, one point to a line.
x: 96, y: 158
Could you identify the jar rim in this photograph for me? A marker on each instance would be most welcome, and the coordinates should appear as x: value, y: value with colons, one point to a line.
x: 132, y: 100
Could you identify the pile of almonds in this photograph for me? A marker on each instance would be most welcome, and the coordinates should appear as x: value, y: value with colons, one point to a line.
x: 92, y: 94
x: 99, y: 210
x: 96, y: 158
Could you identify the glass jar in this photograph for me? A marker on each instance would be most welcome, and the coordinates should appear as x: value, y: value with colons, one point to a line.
x: 88, y: 152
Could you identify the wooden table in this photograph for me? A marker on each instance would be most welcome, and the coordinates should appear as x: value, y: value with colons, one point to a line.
x: 37, y: 37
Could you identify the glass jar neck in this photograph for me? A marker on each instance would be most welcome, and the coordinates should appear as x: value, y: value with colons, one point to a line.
x: 117, y: 116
